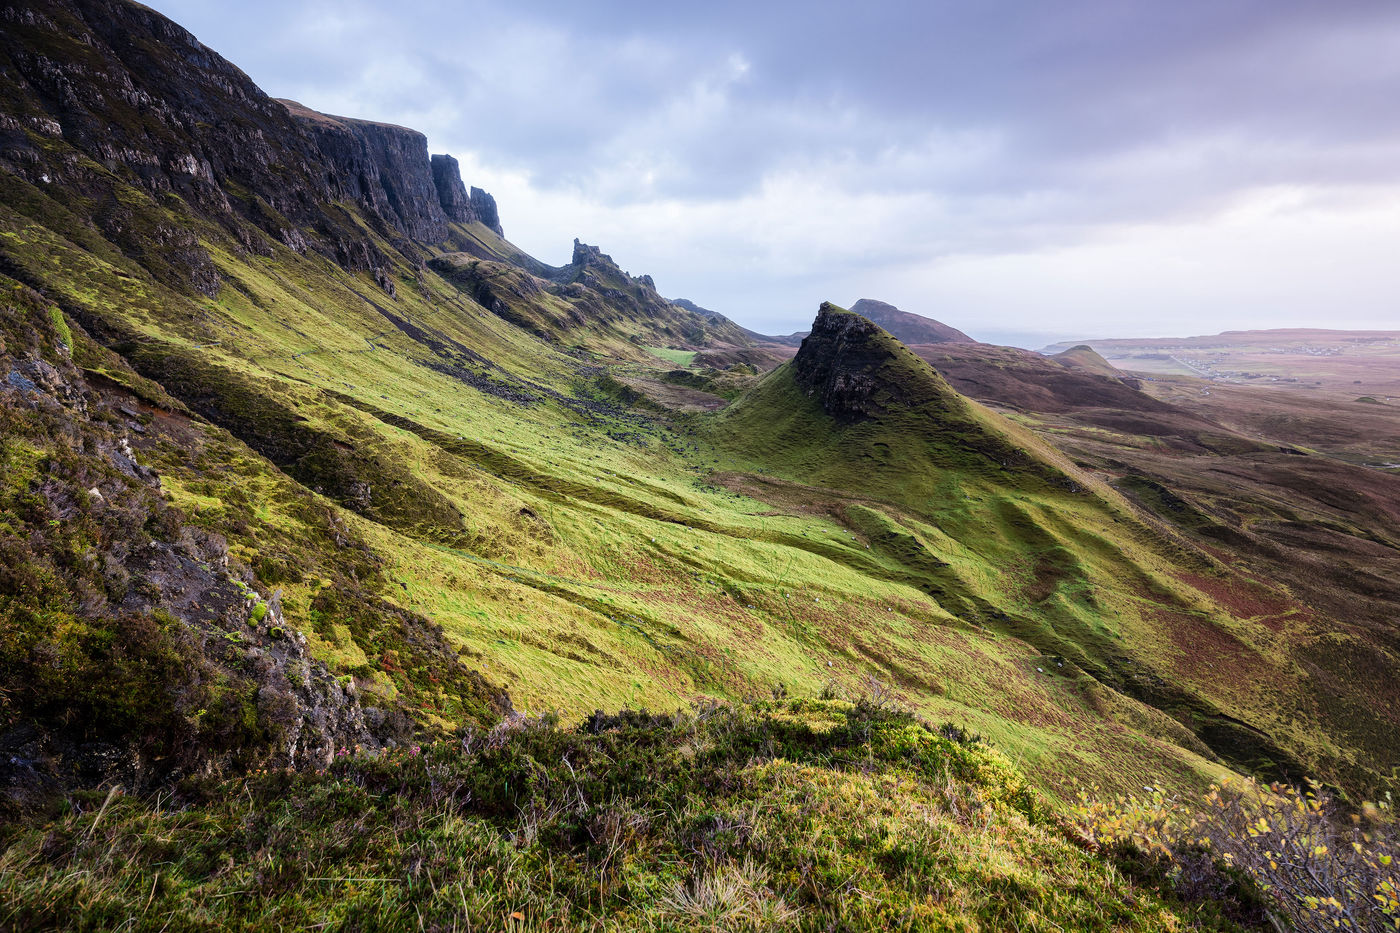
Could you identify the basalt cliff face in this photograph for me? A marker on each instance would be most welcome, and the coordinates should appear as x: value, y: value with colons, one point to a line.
x: 457, y: 203
x: 109, y: 91
x: 837, y: 362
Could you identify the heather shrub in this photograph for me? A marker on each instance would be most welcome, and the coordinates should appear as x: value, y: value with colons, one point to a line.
x: 1315, y: 865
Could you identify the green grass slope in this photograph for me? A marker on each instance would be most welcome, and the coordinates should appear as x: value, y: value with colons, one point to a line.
x: 578, y: 552
x: 1003, y: 534
x: 801, y: 815
x: 499, y: 498
x: 411, y: 481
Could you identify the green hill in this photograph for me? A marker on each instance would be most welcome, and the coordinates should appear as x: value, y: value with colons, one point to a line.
x: 301, y: 455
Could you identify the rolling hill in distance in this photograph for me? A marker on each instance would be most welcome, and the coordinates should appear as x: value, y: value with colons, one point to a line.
x: 327, y: 515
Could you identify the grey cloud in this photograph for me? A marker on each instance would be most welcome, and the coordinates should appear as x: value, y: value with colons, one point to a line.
x: 560, y: 88
x: 1002, y: 126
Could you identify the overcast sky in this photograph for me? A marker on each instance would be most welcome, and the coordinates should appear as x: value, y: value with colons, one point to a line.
x: 1021, y: 170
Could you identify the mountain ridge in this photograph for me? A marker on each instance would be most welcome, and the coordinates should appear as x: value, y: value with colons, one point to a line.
x: 423, y: 483
x: 908, y: 327
x: 322, y: 506
x: 259, y: 178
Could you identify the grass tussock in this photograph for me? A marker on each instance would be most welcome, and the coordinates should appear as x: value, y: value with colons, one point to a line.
x: 1319, y: 868
x: 793, y: 814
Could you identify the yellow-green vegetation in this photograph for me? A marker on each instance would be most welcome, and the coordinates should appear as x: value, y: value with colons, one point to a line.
x: 1319, y: 866
x: 679, y: 357
x: 790, y: 815
x: 60, y: 325
x: 582, y: 552
x: 290, y: 457
x: 91, y: 644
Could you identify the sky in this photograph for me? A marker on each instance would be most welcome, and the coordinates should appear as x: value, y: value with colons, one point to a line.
x: 1025, y: 171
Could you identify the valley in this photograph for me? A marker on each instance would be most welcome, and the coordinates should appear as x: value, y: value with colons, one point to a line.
x: 313, y: 481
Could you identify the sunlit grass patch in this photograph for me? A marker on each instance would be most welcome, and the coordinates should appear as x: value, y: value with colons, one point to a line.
x: 679, y: 357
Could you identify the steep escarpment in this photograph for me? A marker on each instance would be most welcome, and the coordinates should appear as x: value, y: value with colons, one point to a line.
x: 387, y: 170
x: 382, y: 167
x: 109, y: 95
x: 459, y: 205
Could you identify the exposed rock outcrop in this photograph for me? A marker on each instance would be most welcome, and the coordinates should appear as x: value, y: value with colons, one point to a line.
x: 599, y: 271
x: 838, y: 362
x: 384, y: 168
x: 483, y: 207
x: 121, y: 611
x: 108, y: 93
x: 585, y: 255
x: 451, y: 193
x: 459, y: 205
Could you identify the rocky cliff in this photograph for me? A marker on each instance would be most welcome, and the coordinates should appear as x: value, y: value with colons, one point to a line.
x: 387, y: 169
x: 382, y: 167
x: 600, y: 289
x: 839, y: 363
x: 459, y: 205
x: 107, y: 94
x: 135, y: 643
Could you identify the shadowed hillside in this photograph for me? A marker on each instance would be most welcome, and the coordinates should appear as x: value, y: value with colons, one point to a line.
x: 908, y: 328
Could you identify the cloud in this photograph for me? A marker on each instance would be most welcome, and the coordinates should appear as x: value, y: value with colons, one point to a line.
x: 999, y: 160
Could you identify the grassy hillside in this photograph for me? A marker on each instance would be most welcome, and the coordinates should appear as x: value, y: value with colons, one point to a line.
x: 582, y: 552
x: 293, y: 467
x: 800, y: 815
x: 1004, y: 534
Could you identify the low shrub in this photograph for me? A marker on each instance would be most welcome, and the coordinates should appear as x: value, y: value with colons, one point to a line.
x: 1315, y: 866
